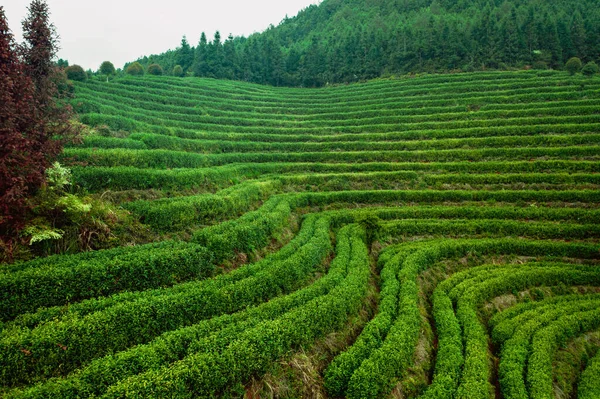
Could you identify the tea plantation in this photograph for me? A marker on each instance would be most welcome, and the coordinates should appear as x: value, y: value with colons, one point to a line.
x: 425, y: 237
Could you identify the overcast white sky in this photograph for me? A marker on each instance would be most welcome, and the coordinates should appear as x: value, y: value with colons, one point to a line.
x: 123, y: 30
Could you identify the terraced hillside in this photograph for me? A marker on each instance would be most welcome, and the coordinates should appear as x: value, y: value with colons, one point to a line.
x: 433, y: 237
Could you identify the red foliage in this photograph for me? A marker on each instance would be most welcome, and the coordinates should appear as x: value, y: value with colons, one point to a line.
x: 32, y: 124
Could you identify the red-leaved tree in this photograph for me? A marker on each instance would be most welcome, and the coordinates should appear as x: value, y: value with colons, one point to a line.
x: 33, y: 124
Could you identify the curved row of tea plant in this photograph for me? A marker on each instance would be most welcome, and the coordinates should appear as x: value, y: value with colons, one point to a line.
x: 463, y: 209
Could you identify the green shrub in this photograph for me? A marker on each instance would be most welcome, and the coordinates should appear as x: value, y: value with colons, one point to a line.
x: 589, y: 384
x: 178, y: 71
x: 573, y: 65
x: 135, y: 69
x: 590, y: 69
x: 75, y: 72
x: 155, y: 69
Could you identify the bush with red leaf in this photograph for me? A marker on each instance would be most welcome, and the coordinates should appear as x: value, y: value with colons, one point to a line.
x: 34, y: 124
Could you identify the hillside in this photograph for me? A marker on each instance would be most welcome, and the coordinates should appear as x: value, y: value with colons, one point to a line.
x: 428, y: 236
x: 351, y: 40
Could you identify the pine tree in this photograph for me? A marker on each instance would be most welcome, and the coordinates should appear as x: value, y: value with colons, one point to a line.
x: 39, y: 49
x: 593, y: 41
x: 312, y: 65
x: 215, y: 57
x: 200, y: 66
x: 273, y: 62
x: 552, y: 44
x: 566, y: 43
x: 578, y: 35
x: 487, y: 33
x: 512, y: 38
x: 230, y: 59
x: 292, y: 67
x: 185, y: 55
x: 530, y: 34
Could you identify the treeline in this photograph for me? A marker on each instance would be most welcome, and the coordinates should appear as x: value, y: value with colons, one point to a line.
x: 350, y: 40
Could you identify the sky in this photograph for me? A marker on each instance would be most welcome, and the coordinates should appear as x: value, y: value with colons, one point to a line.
x: 121, y: 31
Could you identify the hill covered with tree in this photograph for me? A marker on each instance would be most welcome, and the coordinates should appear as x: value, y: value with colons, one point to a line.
x: 350, y: 40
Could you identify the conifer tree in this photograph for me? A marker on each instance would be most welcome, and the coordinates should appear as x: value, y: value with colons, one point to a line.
x: 552, y: 44
x: 185, y: 55
x: 215, y: 59
x: 39, y: 49
x: 229, y: 58
x: 200, y: 67
x: 578, y: 35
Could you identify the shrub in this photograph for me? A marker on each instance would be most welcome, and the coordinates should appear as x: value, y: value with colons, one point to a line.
x: 573, y: 65
x: 75, y: 72
x: 590, y: 69
x: 178, y: 71
x: 155, y: 69
x: 135, y: 69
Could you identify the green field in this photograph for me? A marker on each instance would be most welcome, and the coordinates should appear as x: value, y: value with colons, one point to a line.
x: 419, y: 237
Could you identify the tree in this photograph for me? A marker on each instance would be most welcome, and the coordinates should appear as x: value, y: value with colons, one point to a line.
x: 365, y: 39
x: 312, y: 65
x: 590, y: 69
x: 107, y: 68
x: 200, y: 66
x: 75, y: 72
x: 185, y: 55
x: 230, y: 58
x: 573, y: 65
x: 512, y: 39
x: 215, y: 57
x: 37, y: 53
x: 552, y: 43
x: 566, y: 42
x: 155, y: 69
x: 178, y: 71
x: 62, y: 63
x: 273, y: 62
x: 39, y: 49
x: 135, y: 69
x: 578, y: 35
x: 33, y: 126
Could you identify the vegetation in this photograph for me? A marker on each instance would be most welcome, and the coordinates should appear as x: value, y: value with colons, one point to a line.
x: 41, y: 212
x: 573, y: 66
x: 347, y: 41
x: 470, y: 200
x: 590, y: 69
x: 135, y: 69
x: 107, y: 69
x: 178, y: 71
x: 426, y: 236
x: 35, y: 124
x: 155, y: 69
x: 75, y: 72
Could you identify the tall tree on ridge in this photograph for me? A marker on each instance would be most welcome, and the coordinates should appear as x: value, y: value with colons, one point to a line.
x: 200, y: 66
x: 215, y: 58
x: 230, y: 58
x: 185, y: 55
x: 39, y: 49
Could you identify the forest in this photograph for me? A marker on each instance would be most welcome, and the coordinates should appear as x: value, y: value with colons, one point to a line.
x: 342, y: 41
